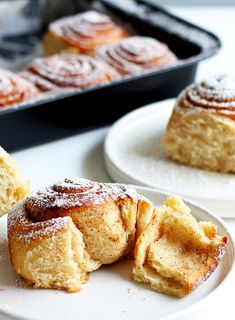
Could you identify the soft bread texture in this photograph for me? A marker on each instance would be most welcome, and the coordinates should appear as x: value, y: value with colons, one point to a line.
x: 59, y: 234
x: 201, y: 130
x: 175, y: 253
x: 82, y: 33
x: 12, y: 187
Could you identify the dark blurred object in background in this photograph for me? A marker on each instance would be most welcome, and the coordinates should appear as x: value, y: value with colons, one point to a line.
x: 20, y: 26
x: 22, y: 23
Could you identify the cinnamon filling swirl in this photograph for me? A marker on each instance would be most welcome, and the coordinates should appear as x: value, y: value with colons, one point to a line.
x: 71, y: 71
x: 14, y: 89
x: 215, y: 94
x: 87, y: 30
x: 136, y: 54
x: 59, y: 199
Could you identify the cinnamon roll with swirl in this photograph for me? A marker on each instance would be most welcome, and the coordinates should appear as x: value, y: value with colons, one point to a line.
x: 14, y: 89
x: 69, y: 71
x: 136, y: 54
x: 82, y: 33
x: 61, y: 233
x: 201, y: 130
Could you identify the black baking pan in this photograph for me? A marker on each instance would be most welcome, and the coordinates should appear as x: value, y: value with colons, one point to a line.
x: 68, y: 113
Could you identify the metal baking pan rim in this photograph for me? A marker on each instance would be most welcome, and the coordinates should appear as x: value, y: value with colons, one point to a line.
x: 66, y: 93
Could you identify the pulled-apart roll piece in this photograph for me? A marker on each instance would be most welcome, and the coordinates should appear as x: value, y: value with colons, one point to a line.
x: 12, y: 187
x: 175, y: 253
x: 136, y: 54
x: 82, y: 33
x: 201, y: 130
x: 60, y: 233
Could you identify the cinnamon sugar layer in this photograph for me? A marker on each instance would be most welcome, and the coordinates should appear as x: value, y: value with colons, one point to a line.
x: 136, y: 54
x: 14, y: 89
x: 73, y: 193
x: 215, y: 94
x: 72, y: 71
x: 87, y: 30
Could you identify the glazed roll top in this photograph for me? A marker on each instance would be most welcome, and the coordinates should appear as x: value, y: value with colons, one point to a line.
x: 136, y: 54
x: 87, y: 30
x: 72, y: 71
x: 14, y: 89
x: 216, y: 95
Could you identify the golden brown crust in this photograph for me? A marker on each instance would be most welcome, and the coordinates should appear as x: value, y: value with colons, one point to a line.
x: 214, y: 95
x: 136, y: 54
x: 174, y: 254
x: 83, y: 224
x: 61, y: 233
x: 82, y: 33
x: 14, y: 89
x: 201, y: 130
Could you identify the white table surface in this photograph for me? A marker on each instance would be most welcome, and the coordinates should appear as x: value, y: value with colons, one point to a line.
x: 81, y: 155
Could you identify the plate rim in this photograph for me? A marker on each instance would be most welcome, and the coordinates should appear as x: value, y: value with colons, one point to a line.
x: 218, y: 220
x: 12, y: 316
x: 134, y: 114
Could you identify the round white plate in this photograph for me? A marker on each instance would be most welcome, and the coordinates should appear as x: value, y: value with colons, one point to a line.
x: 110, y: 293
x: 133, y: 154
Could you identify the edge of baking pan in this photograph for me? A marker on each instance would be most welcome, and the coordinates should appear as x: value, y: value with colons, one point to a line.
x: 159, y: 17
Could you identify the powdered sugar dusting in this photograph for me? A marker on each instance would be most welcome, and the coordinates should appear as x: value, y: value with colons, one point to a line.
x: 216, y: 94
x: 75, y: 193
x: 34, y: 230
x: 29, y: 216
x: 136, y: 150
x: 3, y: 153
x: 136, y: 54
x: 86, y: 30
x: 165, y: 22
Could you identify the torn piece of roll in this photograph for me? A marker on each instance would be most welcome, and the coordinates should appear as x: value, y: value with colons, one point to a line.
x: 175, y: 253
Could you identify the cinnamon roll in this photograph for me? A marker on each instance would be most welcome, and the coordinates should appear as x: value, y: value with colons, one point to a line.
x: 82, y: 33
x: 201, y: 130
x: 175, y: 253
x: 61, y: 233
x: 70, y: 71
x: 14, y: 89
x: 136, y: 54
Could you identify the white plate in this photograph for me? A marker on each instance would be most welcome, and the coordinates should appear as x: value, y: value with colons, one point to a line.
x: 110, y: 294
x: 133, y: 154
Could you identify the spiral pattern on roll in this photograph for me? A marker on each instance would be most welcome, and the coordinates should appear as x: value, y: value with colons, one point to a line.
x: 14, y: 89
x: 136, y: 54
x: 72, y: 71
x: 87, y: 30
x: 215, y: 94
x: 57, y: 200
